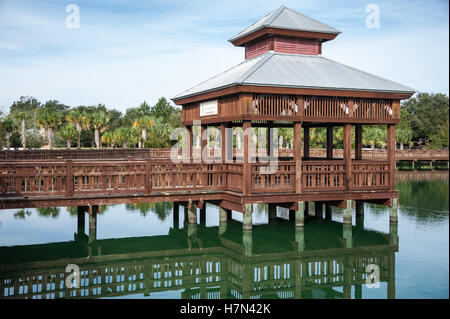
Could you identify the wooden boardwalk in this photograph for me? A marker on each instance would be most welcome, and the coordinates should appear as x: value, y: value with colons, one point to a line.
x: 98, y: 177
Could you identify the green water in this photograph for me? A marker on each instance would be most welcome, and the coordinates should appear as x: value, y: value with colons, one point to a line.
x: 142, y: 251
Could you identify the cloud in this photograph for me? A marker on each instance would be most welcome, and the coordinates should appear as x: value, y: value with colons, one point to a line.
x: 127, y: 52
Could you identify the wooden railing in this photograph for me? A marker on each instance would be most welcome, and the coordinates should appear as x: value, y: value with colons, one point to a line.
x: 319, y: 108
x: 325, y: 107
x: 370, y: 174
x: 273, y: 104
x: 265, y: 180
x: 114, y: 177
x: 164, y: 153
x: 323, y: 175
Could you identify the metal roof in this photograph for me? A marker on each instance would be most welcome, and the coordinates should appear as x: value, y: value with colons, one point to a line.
x: 296, y: 71
x: 285, y: 18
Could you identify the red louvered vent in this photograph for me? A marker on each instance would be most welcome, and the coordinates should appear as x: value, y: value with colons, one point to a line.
x: 297, y: 45
x: 256, y: 48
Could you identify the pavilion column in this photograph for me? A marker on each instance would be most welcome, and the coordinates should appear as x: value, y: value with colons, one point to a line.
x: 298, y: 156
x: 223, y: 144
x: 247, y: 165
x: 176, y: 215
x: 204, y: 142
x: 189, y: 143
x: 270, y: 139
x: 358, y: 142
x: 329, y: 141
x: 92, y: 223
x: 348, y: 155
x: 192, y: 213
x: 247, y: 217
x: 391, y: 154
x: 306, y: 142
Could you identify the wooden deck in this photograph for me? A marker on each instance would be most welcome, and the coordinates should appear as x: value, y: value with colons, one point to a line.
x: 60, y: 182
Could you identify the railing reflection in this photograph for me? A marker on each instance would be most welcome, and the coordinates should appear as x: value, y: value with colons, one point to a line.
x: 207, y: 262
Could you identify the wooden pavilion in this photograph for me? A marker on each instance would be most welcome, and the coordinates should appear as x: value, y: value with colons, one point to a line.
x: 285, y: 81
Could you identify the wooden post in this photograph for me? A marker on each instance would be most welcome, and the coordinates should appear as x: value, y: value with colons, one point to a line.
x: 247, y: 242
x: 189, y: 143
x: 329, y: 141
x: 176, y: 215
x: 246, y: 165
x: 247, y: 217
x: 391, y: 154
x: 347, y: 218
x: 298, y: 156
x: 204, y: 142
x: 148, y: 177
x: 300, y: 215
x: 348, y: 155
x: 92, y: 223
x: 270, y: 145
x: 358, y: 142
x: 69, y: 178
x: 192, y: 213
x: 203, y: 215
x: 272, y: 212
x: 306, y: 142
x: 222, y: 142
x: 223, y: 214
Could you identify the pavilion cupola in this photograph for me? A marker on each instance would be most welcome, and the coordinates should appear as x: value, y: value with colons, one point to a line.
x: 285, y: 31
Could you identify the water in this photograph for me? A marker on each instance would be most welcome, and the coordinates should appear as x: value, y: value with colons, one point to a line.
x: 140, y: 253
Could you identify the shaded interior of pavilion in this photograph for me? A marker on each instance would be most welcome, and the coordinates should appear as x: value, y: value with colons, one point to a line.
x: 276, y: 141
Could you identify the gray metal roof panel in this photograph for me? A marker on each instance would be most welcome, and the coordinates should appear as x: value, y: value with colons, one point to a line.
x: 318, y: 72
x: 285, y: 18
x: 297, y: 71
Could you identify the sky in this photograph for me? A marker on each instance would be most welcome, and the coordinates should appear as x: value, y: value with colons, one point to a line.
x: 125, y: 52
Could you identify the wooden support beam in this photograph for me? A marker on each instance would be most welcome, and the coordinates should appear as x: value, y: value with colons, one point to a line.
x: 358, y: 142
x: 204, y: 141
x: 329, y: 141
x: 298, y: 156
x: 391, y: 155
x: 69, y: 183
x: 348, y: 155
x: 189, y: 141
x: 300, y: 215
x: 306, y: 142
x: 246, y: 165
x: 247, y: 217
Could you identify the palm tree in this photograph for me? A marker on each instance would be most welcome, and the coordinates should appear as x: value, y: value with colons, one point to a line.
x: 49, y: 120
x: 22, y: 117
x: 126, y: 136
x: 8, y: 127
x: 81, y: 122
x: 99, y: 121
x: 68, y: 132
x: 143, y: 123
x: 109, y: 138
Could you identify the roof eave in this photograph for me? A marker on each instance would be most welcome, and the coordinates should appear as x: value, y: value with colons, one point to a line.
x: 198, y: 96
x: 236, y: 39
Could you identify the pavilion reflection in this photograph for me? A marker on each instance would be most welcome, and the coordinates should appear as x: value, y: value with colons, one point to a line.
x: 324, y: 259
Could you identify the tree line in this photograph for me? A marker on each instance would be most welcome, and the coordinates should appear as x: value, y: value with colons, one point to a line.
x: 31, y: 124
x: 424, y: 122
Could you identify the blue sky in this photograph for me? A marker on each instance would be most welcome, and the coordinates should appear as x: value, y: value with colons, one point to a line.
x: 128, y: 51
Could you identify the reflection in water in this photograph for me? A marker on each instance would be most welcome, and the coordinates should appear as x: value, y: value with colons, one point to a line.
x: 161, y: 255
x: 323, y: 260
